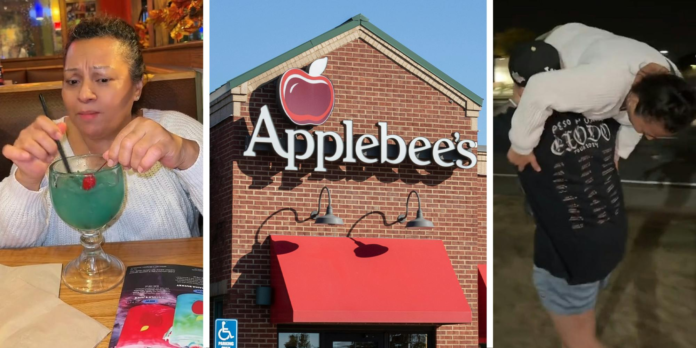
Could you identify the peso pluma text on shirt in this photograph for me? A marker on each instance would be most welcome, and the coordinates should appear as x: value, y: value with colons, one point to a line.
x: 578, y: 135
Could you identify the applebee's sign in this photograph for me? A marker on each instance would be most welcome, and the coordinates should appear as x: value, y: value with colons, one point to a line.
x: 308, y: 99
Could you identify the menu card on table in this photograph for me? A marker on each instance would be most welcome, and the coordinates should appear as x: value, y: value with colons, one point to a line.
x: 160, y: 306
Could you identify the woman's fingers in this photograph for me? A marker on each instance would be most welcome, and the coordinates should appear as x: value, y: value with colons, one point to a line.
x: 154, y: 154
x: 63, y: 127
x: 140, y: 145
x: 45, y: 141
x: 46, y: 125
x: 15, y: 154
x: 112, y: 155
x: 35, y: 149
x: 140, y: 149
x: 125, y: 150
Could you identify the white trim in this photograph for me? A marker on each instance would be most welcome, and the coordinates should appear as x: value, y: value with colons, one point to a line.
x: 489, y: 178
x: 206, y: 183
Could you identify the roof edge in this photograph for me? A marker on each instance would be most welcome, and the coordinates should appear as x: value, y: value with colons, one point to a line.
x: 424, y: 63
x: 358, y: 20
x: 347, y: 25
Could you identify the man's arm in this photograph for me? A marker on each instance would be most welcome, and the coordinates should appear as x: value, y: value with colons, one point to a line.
x: 626, y: 137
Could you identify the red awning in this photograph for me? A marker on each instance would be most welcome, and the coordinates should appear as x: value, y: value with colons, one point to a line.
x: 482, y: 305
x: 360, y: 280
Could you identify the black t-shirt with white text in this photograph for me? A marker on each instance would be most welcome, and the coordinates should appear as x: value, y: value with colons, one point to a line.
x: 577, y: 199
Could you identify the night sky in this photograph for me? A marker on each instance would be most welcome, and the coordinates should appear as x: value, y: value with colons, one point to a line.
x: 665, y: 25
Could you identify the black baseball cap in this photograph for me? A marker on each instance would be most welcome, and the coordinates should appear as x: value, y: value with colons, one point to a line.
x: 531, y: 58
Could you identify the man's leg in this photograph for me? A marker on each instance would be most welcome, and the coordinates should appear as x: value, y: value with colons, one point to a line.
x: 577, y: 331
x: 571, y: 308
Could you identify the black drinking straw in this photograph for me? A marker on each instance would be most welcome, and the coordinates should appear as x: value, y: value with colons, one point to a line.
x: 60, y: 147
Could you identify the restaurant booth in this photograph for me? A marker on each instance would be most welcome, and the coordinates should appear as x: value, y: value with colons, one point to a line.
x: 173, y: 82
x: 348, y: 199
x: 32, y: 39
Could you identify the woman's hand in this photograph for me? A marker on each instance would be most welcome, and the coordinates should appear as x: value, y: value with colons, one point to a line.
x: 34, y: 150
x: 144, y: 142
x: 522, y: 161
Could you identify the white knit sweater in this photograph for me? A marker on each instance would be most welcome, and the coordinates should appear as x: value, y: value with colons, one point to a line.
x: 161, y: 203
x: 598, y: 69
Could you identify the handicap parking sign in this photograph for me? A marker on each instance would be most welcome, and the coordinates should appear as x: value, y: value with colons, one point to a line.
x: 225, y: 333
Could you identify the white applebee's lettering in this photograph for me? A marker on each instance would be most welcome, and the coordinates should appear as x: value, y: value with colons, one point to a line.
x: 362, y: 146
x: 462, y: 151
x: 292, y: 134
x: 417, y: 145
x: 348, y: 129
x: 384, y: 139
x: 437, y: 150
x: 413, y: 150
x: 272, y: 138
x: 320, y: 149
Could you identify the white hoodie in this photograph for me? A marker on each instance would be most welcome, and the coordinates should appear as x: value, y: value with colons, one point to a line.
x: 598, y: 69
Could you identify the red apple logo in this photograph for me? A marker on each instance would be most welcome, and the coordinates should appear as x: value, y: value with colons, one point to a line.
x: 307, y: 99
x: 197, y: 307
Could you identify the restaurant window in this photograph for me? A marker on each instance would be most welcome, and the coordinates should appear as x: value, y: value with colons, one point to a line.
x: 298, y: 340
x: 330, y: 336
x: 77, y: 10
x: 30, y: 28
x: 408, y: 340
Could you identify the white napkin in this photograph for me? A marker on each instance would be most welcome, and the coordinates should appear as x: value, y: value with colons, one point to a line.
x: 45, y: 277
x: 35, y: 318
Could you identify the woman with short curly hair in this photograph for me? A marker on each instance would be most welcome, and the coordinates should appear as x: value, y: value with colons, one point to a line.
x: 160, y: 151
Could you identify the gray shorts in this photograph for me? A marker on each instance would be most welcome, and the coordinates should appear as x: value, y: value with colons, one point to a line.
x: 562, y: 299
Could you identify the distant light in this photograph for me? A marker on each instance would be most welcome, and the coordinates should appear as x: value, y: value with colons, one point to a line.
x: 664, y: 52
x: 502, y: 75
x: 693, y: 67
x: 39, y: 10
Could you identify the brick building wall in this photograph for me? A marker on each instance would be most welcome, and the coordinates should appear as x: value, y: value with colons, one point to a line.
x: 252, y: 197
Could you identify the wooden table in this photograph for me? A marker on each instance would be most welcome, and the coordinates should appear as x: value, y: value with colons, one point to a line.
x: 102, y: 307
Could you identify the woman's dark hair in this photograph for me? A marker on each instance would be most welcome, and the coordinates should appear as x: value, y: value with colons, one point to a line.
x: 666, y: 98
x: 118, y: 29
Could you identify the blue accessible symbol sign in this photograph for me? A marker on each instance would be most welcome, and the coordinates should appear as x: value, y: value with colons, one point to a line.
x: 225, y: 333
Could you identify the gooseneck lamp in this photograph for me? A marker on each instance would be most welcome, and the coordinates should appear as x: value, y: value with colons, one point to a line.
x: 419, y: 222
x: 329, y: 218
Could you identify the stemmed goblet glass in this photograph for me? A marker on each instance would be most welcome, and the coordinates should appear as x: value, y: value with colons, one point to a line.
x: 88, y: 198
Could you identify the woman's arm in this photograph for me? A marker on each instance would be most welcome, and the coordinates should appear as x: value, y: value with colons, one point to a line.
x: 23, y: 213
x: 168, y: 137
x: 192, y: 177
x: 191, y: 130
x: 626, y: 138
